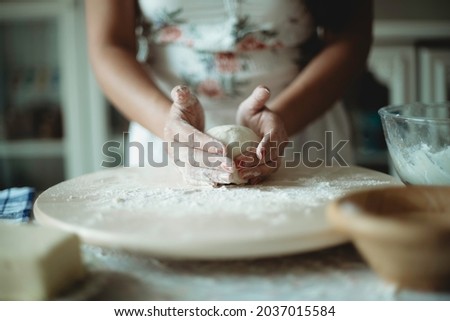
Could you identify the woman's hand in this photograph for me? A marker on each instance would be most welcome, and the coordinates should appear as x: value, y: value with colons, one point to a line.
x: 199, y: 156
x: 253, y: 113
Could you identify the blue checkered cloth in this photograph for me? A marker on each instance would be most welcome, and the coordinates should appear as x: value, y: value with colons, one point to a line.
x: 16, y: 204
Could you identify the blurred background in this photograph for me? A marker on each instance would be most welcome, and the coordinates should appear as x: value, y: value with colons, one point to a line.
x: 54, y: 119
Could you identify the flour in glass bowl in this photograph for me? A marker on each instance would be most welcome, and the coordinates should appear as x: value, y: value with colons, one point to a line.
x: 420, y: 165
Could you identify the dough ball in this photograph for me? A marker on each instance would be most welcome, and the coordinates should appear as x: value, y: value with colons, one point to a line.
x: 236, y: 138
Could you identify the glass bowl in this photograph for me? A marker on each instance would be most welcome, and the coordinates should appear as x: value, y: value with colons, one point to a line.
x: 418, y: 139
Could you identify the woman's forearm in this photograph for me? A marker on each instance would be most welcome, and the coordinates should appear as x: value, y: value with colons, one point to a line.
x: 127, y: 85
x: 112, y: 51
x: 325, y: 79
x: 319, y: 85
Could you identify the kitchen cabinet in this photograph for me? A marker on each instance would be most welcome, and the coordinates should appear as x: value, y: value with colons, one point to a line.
x: 395, y: 66
x: 393, y: 73
x: 404, y: 59
x: 107, y: 123
x: 42, y: 137
x: 435, y: 74
x: 53, y: 118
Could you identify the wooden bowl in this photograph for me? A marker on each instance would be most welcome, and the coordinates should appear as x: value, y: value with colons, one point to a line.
x: 402, y: 232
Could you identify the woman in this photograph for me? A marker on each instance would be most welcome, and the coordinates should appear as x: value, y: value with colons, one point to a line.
x: 224, y: 51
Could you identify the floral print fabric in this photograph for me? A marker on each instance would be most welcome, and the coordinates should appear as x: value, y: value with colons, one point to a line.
x: 221, y: 41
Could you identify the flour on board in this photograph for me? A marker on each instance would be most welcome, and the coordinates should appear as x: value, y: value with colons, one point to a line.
x: 269, y: 202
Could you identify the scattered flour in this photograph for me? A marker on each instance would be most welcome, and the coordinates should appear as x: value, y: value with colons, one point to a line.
x: 272, y: 202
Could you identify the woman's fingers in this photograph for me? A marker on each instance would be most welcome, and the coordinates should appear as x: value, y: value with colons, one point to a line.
x: 269, y: 150
x: 259, y: 173
x: 254, y: 114
x: 182, y: 97
x: 264, y: 150
x: 196, y: 175
x: 185, y: 135
x: 272, y: 145
x: 256, y: 101
x: 186, y: 123
x: 198, y: 166
x: 248, y: 158
x: 191, y: 157
x: 202, y: 157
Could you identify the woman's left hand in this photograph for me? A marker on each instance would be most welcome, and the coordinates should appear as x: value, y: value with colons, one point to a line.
x: 254, y: 114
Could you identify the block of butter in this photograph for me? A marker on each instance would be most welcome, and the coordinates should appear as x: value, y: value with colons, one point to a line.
x: 37, y: 263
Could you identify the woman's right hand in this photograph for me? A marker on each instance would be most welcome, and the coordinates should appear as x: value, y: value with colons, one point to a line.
x: 199, y: 157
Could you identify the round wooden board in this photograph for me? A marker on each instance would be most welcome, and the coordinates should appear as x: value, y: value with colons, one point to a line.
x: 152, y: 210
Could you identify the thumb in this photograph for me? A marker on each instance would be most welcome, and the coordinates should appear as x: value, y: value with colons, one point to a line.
x: 182, y: 97
x: 257, y: 99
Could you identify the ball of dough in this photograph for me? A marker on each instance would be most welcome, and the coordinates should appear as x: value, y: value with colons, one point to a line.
x: 236, y: 138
